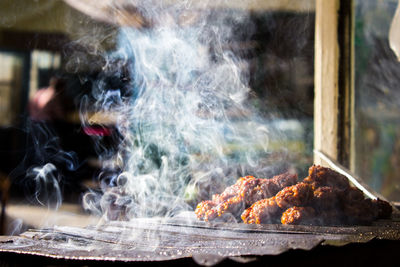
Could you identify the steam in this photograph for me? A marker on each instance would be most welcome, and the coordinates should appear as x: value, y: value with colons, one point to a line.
x: 15, y: 227
x: 45, y: 166
x: 186, y: 121
x: 47, y: 185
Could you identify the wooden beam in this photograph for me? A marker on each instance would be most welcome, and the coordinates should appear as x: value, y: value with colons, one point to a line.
x: 326, y: 79
x: 346, y: 82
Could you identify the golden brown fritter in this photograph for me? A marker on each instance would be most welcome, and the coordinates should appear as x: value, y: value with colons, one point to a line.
x: 235, y: 189
x: 324, y: 197
x: 262, y: 211
x: 299, y: 215
x: 270, y: 210
x: 267, y: 188
x: 231, y: 200
x: 319, y: 176
x: 241, y: 195
x: 295, y: 195
x: 323, y: 206
x: 202, y: 209
x: 209, y: 210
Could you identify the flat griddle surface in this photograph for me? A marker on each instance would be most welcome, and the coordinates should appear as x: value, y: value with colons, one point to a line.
x: 157, y: 239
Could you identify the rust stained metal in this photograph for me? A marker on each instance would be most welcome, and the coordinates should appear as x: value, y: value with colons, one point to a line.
x: 168, y: 239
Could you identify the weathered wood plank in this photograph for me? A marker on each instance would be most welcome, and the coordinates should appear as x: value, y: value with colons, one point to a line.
x: 326, y: 79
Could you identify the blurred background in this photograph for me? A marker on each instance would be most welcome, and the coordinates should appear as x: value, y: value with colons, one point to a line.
x: 376, y: 154
x: 51, y: 60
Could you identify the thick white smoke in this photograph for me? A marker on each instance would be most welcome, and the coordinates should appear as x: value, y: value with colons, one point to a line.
x: 187, y: 126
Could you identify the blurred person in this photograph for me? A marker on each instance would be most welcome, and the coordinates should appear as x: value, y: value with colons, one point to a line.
x: 48, y: 103
x: 48, y: 134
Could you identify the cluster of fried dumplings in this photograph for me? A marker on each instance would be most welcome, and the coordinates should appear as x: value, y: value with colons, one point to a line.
x: 324, y: 197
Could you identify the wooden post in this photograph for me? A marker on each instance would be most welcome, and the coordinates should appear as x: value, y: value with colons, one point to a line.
x: 326, y: 112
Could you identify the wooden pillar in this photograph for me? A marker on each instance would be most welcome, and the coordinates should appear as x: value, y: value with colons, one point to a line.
x: 326, y: 111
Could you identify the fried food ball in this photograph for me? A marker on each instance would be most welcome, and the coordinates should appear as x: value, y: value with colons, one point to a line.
x: 299, y: 215
x: 241, y: 195
x: 202, y: 209
x: 235, y: 189
x: 324, y: 198
x: 262, y: 211
x: 267, y: 188
x: 319, y: 176
x: 295, y: 195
